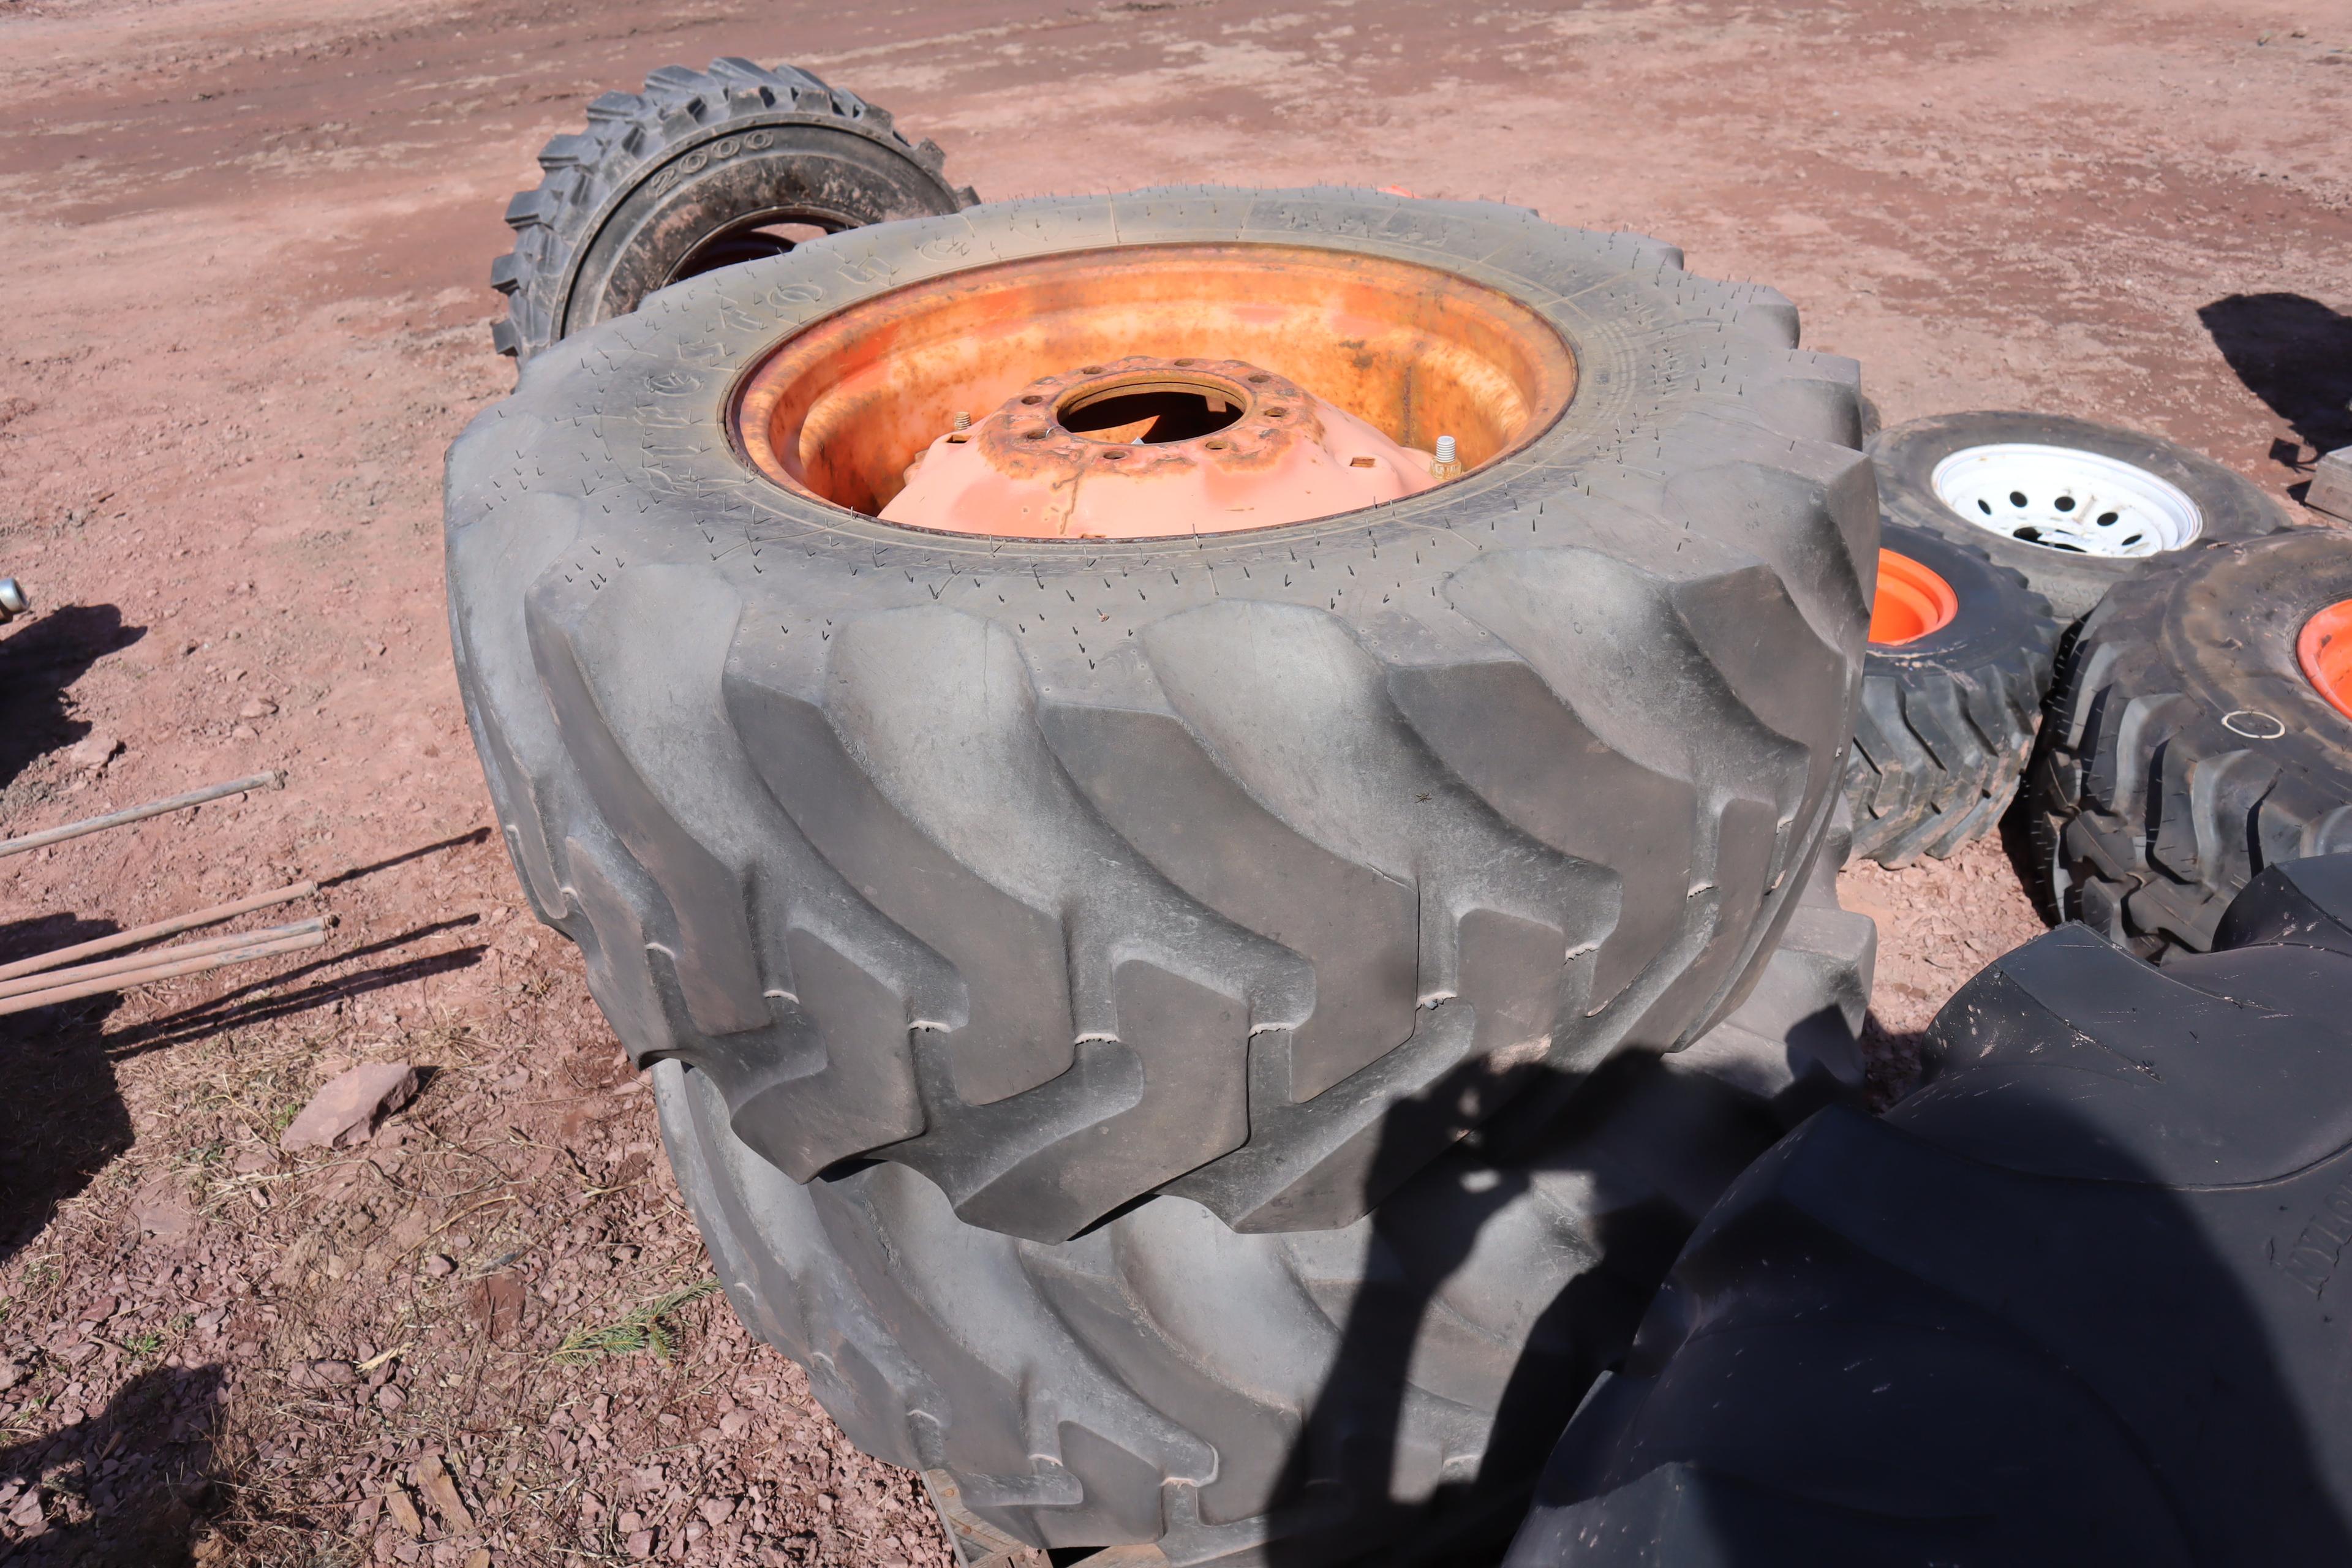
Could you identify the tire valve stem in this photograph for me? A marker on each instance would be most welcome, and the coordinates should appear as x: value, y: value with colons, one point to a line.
x: 1447, y: 466
x: 963, y: 420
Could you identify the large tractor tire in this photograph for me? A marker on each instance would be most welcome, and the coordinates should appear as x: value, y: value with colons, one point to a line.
x: 2074, y: 507
x: 1255, y: 866
x: 1164, y: 1383
x: 702, y: 169
x: 2201, y: 731
x: 1960, y: 656
x: 2071, y: 1305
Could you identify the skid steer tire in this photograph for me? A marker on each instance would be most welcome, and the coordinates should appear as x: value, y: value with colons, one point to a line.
x: 2228, y: 505
x: 2187, y: 749
x: 1948, y: 718
x: 684, y: 176
x: 2073, y: 1304
x: 1255, y: 866
x: 1270, y: 1399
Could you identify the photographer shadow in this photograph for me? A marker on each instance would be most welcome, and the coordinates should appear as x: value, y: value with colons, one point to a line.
x: 2067, y: 1305
x: 1505, y: 1275
x: 122, y: 1487
x: 63, y: 1120
x: 42, y: 659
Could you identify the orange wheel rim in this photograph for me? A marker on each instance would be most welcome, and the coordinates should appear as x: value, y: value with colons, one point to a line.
x: 843, y: 411
x: 1912, y: 601
x: 2324, y: 650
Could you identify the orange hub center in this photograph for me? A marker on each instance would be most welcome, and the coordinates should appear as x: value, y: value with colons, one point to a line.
x: 1912, y: 601
x: 2324, y: 650
x: 1141, y: 448
x: 1176, y: 357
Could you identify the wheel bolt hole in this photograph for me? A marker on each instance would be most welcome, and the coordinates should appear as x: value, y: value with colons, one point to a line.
x: 1089, y: 370
x: 2110, y: 518
x: 1362, y: 463
x: 1984, y: 506
x: 1114, y: 455
x: 2017, y: 498
x: 1037, y: 434
x: 1260, y: 379
x: 2066, y: 503
x: 958, y: 440
x: 1276, y: 413
x: 1218, y: 445
x: 1032, y: 398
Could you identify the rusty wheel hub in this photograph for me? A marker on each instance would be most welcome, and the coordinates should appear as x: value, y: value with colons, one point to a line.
x: 2324, y: 651
x: 1144, y: 448
x: 1148, y: 391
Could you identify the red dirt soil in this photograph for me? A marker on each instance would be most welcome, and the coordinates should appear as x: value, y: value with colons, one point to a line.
x: 246, y: 251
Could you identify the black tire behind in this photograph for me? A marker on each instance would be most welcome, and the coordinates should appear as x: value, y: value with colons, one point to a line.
x: 1285, y: 1399
x: 2075, y: 1304
x: 2233, y: 506
x: 2186, y: 750
x: 1256, y: 868
x: 1947, y: 720
x: 680, y: 177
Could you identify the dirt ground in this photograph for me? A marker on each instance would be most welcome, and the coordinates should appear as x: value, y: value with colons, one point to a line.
x: 245, y: 251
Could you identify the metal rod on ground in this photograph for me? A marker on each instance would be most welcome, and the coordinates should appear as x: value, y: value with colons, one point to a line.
x: 161, y: 972
x: 50, y: 979
x: 172, y: 927
x: 139, y: 813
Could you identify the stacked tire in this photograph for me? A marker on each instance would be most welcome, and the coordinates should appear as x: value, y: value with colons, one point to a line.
x: 1164, y: 1378
x: 1163, y: 1028
x: 2075, y: 1302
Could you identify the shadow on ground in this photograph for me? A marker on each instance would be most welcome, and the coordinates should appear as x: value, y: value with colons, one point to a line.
x: 37, y: 663
x: 121, y: 1488
x: 2293, y: 353
x: 279, y: 996
x: 62, y: 1120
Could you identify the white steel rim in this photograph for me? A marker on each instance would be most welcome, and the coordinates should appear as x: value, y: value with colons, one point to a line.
x: 2062, y: 499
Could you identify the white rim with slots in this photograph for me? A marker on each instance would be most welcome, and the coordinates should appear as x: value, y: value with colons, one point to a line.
x: 2062, y: 499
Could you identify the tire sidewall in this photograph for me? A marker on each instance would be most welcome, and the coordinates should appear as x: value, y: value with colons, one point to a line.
x: 2231, y: 627
x: 2231, y: 506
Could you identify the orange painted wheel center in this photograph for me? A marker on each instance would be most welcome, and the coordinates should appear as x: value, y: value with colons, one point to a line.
x: 1141, y: 448
x: 1912, y: 601
x: 1150, y: 391
x: 2324, y: 651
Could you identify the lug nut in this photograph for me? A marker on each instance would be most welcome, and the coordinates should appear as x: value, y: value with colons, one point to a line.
x: 962, y: 421
x: 1447, y: 465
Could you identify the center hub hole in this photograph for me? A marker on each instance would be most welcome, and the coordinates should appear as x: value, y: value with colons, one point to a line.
x: 1152, y: 415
